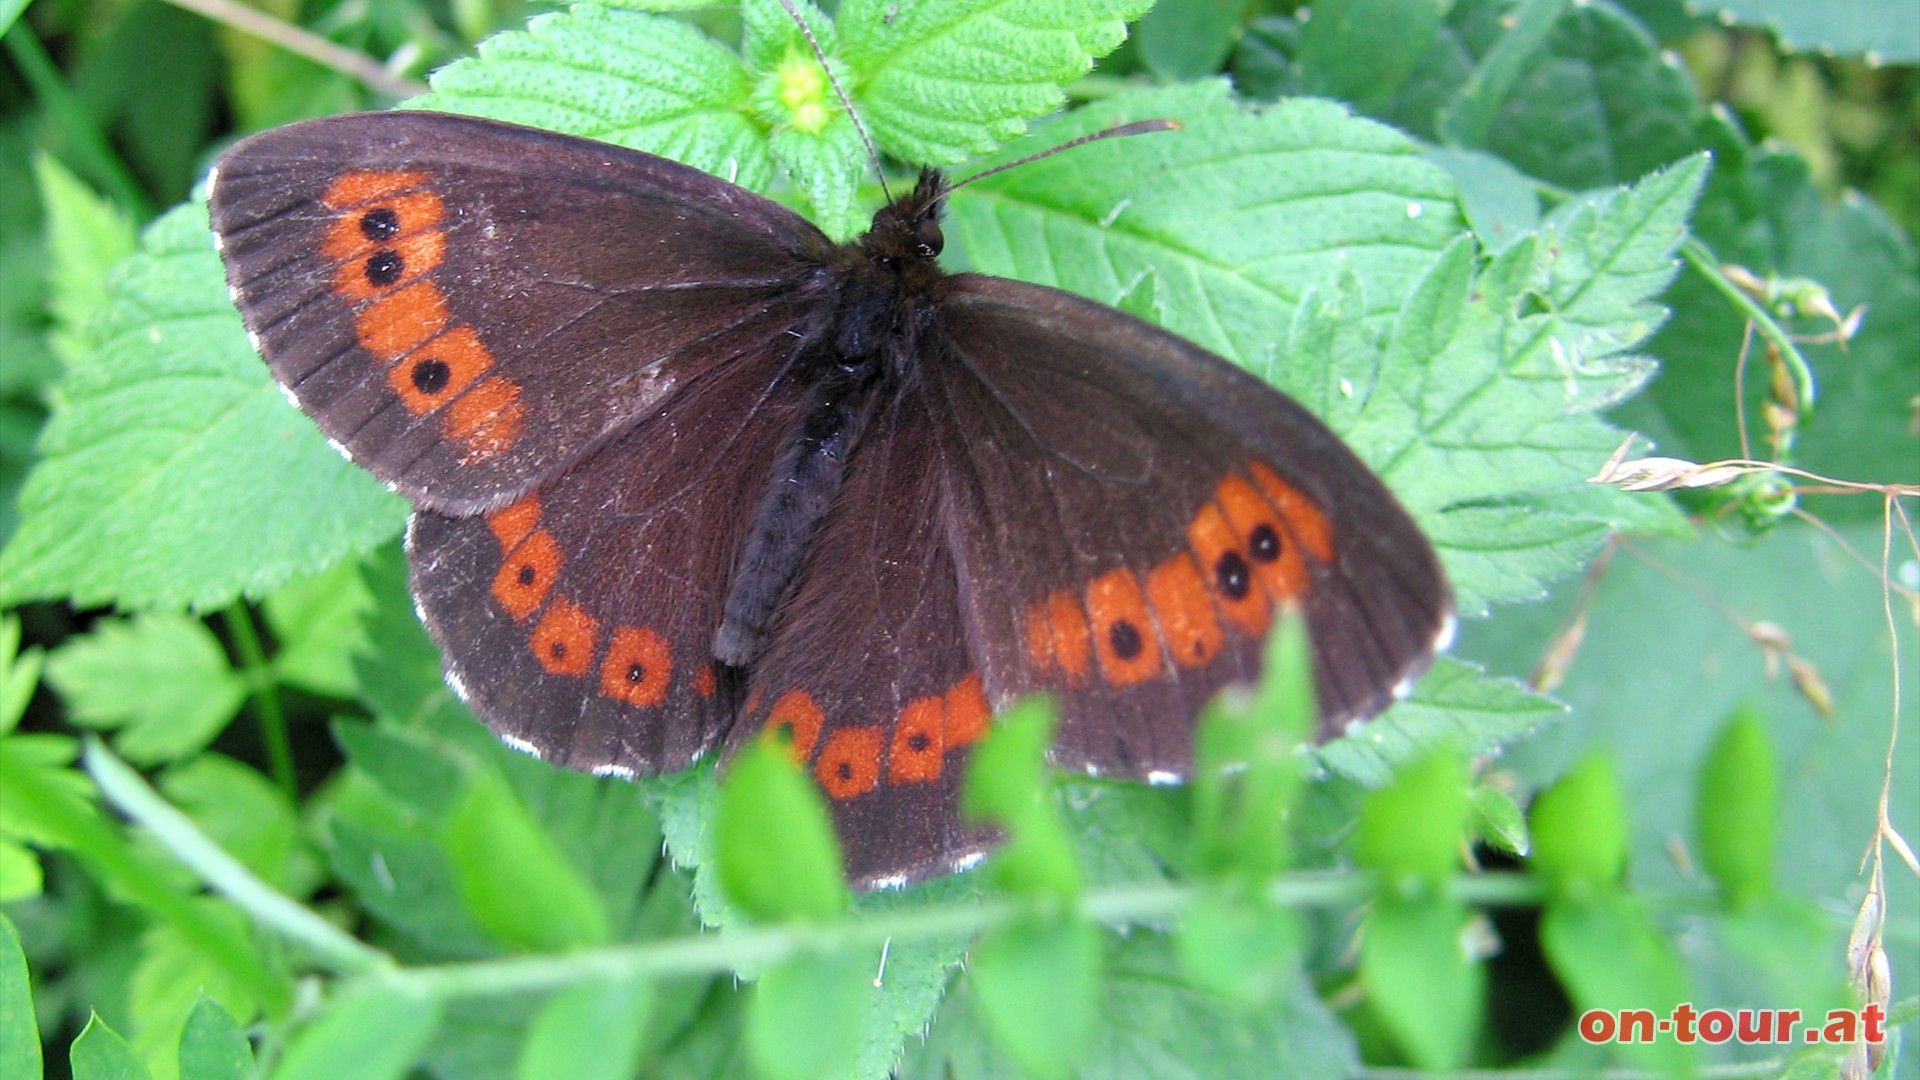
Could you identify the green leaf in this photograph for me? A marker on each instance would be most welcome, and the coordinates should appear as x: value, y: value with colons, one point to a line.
x: 521, y: 890
x: 19, y: 1029
x: 1007, y: 785
x: 247, y: 816
x: 101, y: 1054
x: 1580, y: 829
x: 161, y: 682
x: 1420, y: 980
x: 1037, y: 982
x: 1736, y: 813
x: 1454, y: 706
x: 1363, y: 50
x: 86, y: 235
x: 172, y: 974
x: 164, y: 447
x: 804, y: 1020
x: 20, y: 873
x: 912, y: 973
x: 1412, y: 828
x: 318, y: 621
x: 213, y: 1047
x: 374, y: 1034
x: 1497, y: 820
x: 1238, y: 216
x: 1601, y: 104
x: 1882, y: 33
x: 589, y: 1031
x: 939, y: 82
x: 1187, y: 39
x: 777, y: 854
x: 1155, y: 1025
x: 1246, y: 775
x: 1234, y: 943
x: 1490, y: 383
x: 19, y: 674
x: 1500, y: 201
x: 648, y: 82
x: 1608, y: 955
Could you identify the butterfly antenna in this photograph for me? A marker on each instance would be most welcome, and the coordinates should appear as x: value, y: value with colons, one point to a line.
x: 1138, y: 127
x: 846, y: 103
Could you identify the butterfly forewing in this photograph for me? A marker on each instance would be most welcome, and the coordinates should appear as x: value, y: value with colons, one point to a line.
x: 468, y: 308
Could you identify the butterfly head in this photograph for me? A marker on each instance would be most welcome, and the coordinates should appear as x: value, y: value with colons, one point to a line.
x: 907, y: 230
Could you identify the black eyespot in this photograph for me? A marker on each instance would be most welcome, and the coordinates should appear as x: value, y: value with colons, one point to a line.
x: 918, y: 742
x: 845, y: 770
x: 380, y: 223
x: 1125, y: 639
x: 384, y: 267
x: 526, y: 574
x: 559, y: 649
x: 431, y: 376
x: 1264, y: 543
x: 636, y: 674
x: 1232, y: 575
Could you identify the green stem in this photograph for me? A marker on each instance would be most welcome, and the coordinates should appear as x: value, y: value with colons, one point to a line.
x: 124, y: 788
x: 266, y: 699
x: 1704, y: 262
x: 70, y: 822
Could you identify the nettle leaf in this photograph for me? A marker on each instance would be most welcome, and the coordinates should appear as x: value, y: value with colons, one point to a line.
x: 172, y: 474
x: 937, y: 83
x: 649, y: 82
x: 161, y: 680
x: 1156, y: 1026
x: 1879, y: 31
x: 1490, y: 384
x: 1237, y: 216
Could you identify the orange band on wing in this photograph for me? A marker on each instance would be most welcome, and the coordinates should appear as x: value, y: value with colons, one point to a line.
x: 1265, y: 539
x: 849, y: 764
x: 438, y: 371
x: 1123, y: 633
x: 918, y: 751
x: 1178, y: 596
x: 528, y: 575
x: 967, y: 712
x: 565, y: 638
x: 366, y: 185
x: 797, y: 712
x: 638, y: 667
x: 514, y: 521
x: 1309, y: 526
x: 1227, y: 570
x: 488, y: 419
x: 401, y: 321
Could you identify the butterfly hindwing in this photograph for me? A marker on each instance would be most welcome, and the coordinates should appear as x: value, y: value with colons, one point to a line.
x: 870, y: 673
x: 577, y: 621
x: 467, y: 308
x: 1131, y: 511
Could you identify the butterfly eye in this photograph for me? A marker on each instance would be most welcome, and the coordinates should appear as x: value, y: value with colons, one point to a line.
x: 928, y: 237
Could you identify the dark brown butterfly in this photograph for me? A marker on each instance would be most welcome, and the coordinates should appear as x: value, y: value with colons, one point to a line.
x: 685, y: 470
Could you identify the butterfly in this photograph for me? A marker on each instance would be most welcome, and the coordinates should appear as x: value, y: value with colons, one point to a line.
x: 685, y: 471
